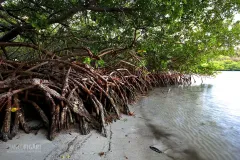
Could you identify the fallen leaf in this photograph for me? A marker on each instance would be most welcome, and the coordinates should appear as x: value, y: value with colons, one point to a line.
x: 14, y: 109
x: 101, y: 154
x: 131, y: 114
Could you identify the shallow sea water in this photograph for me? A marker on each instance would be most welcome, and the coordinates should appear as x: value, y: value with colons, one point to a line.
x: 206, y: 114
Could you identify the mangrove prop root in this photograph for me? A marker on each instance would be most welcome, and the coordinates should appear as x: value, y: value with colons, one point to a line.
x: 16, y: 117
x: 15, y: 125
x: 52, y: 128
x: 23, y: 122
x: 83, y: 126
x: 7, y: 121
x: 64, y: 93
x: 40, y: 112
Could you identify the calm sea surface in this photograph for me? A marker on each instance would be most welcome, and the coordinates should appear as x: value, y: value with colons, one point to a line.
x: 207, y: 114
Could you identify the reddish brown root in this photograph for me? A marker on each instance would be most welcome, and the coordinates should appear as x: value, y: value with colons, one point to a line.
x: 62, y: 94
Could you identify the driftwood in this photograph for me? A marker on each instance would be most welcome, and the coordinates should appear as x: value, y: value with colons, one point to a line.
x: 65, y: 94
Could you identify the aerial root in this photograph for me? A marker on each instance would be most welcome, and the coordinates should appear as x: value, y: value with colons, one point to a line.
x: 64, y: 94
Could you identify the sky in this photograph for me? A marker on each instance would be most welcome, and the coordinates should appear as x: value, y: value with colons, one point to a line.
x: 237, y: 17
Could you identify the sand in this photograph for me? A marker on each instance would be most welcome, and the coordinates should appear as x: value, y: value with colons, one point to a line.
x: 128, y: 138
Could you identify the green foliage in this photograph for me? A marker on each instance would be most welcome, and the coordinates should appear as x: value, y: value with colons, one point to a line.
x: 38, y: 21
x: 226, y: 63
x: 87, y: 60
x: 100, y: 63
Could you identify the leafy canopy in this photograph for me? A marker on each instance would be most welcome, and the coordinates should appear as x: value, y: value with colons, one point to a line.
x: 181, y: 35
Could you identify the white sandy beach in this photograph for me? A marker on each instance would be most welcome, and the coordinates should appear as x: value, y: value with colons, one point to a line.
x: 128, y: 138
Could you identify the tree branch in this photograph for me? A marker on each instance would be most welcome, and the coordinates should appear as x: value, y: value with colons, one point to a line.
x: 90, y: 54
x: 14, y: 32
x: 65, y: 15
x: 105, y: 9
x: 1, y: 1
x: 19, y: 44
x: 58, y: 19
x: 11, y: 34
x: 134, y: 39
x: 112, y: 51
x: 5, y: 52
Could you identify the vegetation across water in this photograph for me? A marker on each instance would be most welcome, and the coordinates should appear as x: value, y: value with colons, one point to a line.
x: 226, y: 63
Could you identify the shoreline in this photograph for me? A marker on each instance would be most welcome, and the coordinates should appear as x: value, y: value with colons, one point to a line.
x: 128, y: 138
